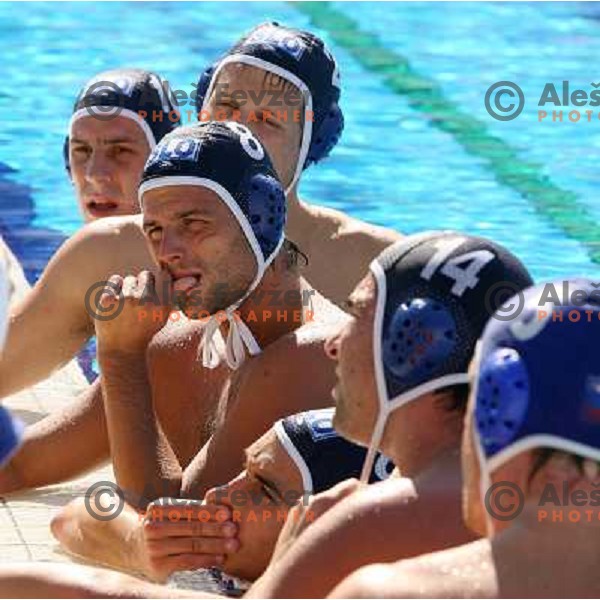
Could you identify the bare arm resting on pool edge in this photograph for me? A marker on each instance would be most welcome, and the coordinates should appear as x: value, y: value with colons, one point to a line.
x: 219, y: 461
x: 61, y: 446
x: 144, y: 544
x: 52, y: 318
x: 43, y: 580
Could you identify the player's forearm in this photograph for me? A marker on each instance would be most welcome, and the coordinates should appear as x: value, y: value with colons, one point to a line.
x: 44, y: 580
x: 32, y: 468
x: 144, y: 463
x: 54, y: 346
x: 61, y: 446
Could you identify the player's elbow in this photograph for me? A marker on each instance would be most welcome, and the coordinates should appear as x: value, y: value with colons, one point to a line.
x: 66, y: 528
x: 78, y: 528
x: 59, y: 526
x: 190, y: 486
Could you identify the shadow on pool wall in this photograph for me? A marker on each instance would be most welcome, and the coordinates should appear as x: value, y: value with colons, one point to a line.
x: 32, y: 245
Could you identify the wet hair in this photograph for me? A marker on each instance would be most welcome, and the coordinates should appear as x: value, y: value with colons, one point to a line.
x: 294, y: 254
x: 543, y: 455
x: 454, y: 398
x: 279, y: 81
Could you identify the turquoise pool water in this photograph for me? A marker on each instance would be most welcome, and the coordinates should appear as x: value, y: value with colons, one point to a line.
x: 529, y: 185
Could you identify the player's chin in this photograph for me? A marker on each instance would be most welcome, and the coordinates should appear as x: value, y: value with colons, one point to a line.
x: 348, y: 422
x: 341, y: 422
x: 193, y: 310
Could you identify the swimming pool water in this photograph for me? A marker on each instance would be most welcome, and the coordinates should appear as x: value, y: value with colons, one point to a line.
x: 397, y: 165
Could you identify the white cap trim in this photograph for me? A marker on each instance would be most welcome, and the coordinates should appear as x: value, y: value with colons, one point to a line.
x: 291, y: 449
x: 124, y: 112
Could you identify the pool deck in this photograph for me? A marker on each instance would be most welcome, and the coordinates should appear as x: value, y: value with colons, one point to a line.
x: 25, y: 517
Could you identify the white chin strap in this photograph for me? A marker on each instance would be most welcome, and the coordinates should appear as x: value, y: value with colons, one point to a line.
x: 239, y: 339
x: 376, y: 438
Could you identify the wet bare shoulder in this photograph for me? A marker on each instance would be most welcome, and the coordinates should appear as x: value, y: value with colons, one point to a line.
x: 110, y: 245
x: 296, y: 351
x: 123, y: 234
x: 347, y: 228
x: 294, y: 367
x: 463, y: 572
x: 323, y: 319
x: 340, y: 249
x: 394, y: 493
x: 113, y: 227
x: 370, y: 509
x: 353, y: 229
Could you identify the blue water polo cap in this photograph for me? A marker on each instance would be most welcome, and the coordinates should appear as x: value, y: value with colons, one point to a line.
x: 322, y: 456
x: 538, y: 376
x: 11, y: 435
x: 302, y: 59
x: 435, y: 292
